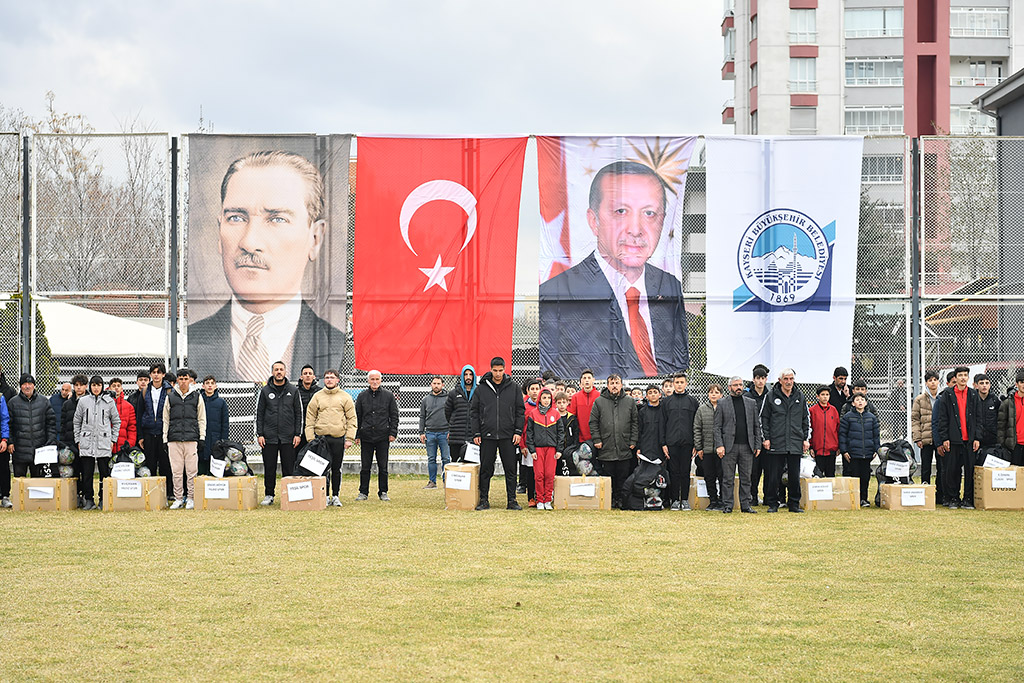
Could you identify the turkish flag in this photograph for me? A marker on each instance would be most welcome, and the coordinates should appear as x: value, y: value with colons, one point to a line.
x: 435, y: 252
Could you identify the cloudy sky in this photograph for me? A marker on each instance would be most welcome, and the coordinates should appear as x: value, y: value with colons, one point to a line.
x: 447, y: 67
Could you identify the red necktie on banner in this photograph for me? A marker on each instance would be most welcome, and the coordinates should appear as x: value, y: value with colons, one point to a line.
x: 435, y: 252
x: 638, y: 331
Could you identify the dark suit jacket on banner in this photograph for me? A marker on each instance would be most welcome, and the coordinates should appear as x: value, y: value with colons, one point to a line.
x: 581, y: 325
x: 316, y: 342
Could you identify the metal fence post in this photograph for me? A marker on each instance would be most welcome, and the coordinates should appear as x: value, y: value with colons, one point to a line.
x: 915, y: 269
x: 26, y: 250
x: 174, y: 256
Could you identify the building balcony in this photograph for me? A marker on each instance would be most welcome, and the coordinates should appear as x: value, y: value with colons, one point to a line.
x: 729, y: 69
x: 971, y: 81
x: 875, y: 81
x: 803, y: 37
x: 979, y: 32
x: 872, y: 129
x: 874, y: 33
x: 728, y: 112
x: 803, y: 86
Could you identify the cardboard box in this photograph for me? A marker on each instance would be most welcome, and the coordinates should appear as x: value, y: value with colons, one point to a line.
x: 699, y: 502
x: 229, y: 493
x: 582, y: 493
x: 461, y: 486
x: 304, y: 493
x: 1000, y: 488
x: 142, y: 493
x: 908, y: 496
x: 845, y: 493
x: 41, y: 494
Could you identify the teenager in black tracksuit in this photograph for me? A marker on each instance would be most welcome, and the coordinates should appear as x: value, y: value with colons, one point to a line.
x: 679, y: 410
x: 497, y: 416
x: 651, y: 420
x: 278, y: 426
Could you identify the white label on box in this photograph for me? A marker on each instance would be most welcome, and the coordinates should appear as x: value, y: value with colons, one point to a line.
x: 123, y: 470
x: 702, y: 488
x: 216, y: 490
x: 912, y: 498
x: 819, y: 490
x: 217, y: 467
x: 40, y: 493
x: 583, y: 490
x: 993, y: 461
x: 897, y: 469
x: 314, y: 463
x: 460, y: 481
x: 472, y: 453
x: 46, y: 455
x: 302, y: 490
x: 129, y: 488
x: 1005, y: 479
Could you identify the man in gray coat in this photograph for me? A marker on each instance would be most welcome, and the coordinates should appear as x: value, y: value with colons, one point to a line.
x: 97, y: 424
x: 434, y: 429
x: 737, y: 442
x: 615, y: 429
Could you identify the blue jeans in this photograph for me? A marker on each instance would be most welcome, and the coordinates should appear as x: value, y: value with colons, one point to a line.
x: 435, y: 441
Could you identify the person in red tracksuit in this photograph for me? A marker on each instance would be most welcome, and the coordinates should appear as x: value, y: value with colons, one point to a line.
x: 545, y: 433
x: 527, y: 481
x: 581, y: 403
x: 824, y: 432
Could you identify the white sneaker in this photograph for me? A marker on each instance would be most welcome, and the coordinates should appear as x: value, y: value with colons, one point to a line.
x: 190, y: 504
x: 6, y: 503
x: 267, y: 500
x: 336, y: 502
x: 550, y: 506
x: 177, y: 505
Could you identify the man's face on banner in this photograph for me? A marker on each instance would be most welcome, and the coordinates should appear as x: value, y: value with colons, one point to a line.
x: 266, y: 238
x: 628, y: 221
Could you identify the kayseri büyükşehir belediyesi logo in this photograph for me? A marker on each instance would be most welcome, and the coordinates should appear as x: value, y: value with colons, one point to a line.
x: 785, y: 262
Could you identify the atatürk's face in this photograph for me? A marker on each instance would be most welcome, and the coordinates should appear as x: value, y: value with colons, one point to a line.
x: 266, y: 238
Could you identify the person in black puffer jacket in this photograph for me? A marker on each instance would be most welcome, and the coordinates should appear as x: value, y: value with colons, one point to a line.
x: 79, y: 384
x: 32, y: 424
x: 456, y: 410
x: 278, y: 426
x: 786, y: 427
x: 858, y: 442
x: 376, y: 428
x: 307, y: 386
x: 497, y: 415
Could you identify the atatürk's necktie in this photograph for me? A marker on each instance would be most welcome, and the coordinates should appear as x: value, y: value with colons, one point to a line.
x: 253, y: 359
x: 638, y: 330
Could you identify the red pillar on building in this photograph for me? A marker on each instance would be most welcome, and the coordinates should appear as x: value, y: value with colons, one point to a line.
x: 925, y: 67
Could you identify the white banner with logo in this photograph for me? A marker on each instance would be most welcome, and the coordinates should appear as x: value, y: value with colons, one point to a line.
x: 782, y: 220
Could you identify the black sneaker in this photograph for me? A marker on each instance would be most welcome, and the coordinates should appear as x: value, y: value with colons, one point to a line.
x: 749, y: 511
x: 865, y: 504
x: 483, y: 505
x: 513, y: 505
x: 964, y: 505
x: 773, y: 508
x: 796, y: 509
x: 952, y: 505
x: 520, y: 489
x: 726, y: 510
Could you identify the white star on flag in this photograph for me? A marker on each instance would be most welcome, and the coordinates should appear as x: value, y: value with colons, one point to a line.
x: 436, y: 275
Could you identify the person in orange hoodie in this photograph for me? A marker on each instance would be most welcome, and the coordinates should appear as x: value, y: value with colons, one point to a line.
x: 545, y: 433
x: 824, y: 432
x: 128, y: 433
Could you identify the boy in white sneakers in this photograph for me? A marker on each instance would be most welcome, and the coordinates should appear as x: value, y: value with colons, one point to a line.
x: 184, y: 428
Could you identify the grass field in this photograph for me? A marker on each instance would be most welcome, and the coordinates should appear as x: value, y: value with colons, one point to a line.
x: 408, y: 591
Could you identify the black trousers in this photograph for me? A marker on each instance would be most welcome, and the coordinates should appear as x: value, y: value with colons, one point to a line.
x: 711, y: 465
x: 336, y: 445
x: 861, y: 469
x: 827, y: 464
x: 24, y: 469
x: 1016, y: 459
x: 457, y: 450
x: 270, y: 454
x: 959, y: 467
x: 619, y: 471
x: 157, y: 461
x: 89, y: 466
x: 527, y: 479
x: 5, y: 474
x: 927, y: 455
x: 755, y: 478
x: 368, y: 450
x: 679, y: 472
x: 490, y: 449
x: 777, y: 463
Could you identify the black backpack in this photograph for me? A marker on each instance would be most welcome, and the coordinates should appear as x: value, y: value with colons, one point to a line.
x: 896, y: 451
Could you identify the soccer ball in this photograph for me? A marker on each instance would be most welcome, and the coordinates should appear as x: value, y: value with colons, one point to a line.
x: 585, y: 468
x: 66, y: 471
x: 235, y: 455
x: 65, y: 456
x: 137, y: 457
x: 142, y: 471
x: 584, y: 452
x: 883, y: 453
x: 239, y: 469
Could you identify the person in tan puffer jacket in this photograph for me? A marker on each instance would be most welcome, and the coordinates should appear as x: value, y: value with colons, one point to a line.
x: 921, y: 426
x: 331, y: 414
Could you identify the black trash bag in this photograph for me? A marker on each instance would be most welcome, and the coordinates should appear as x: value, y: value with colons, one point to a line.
x: 897, y: 451
x: 317, y: 446
x: 642, y: 489
x: 227, y: 451
x: 995, y: 451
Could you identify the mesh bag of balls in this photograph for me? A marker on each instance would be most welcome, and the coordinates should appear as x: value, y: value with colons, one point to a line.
x: 232, y: 454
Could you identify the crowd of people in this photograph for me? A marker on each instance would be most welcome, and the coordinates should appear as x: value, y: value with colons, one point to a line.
x: 750, y: 429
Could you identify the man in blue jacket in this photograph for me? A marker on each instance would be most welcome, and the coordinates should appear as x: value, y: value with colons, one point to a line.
x: 216, y: 421
x: 5, y: 456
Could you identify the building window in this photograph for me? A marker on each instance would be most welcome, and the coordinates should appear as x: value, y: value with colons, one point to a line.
x: 874, y: 23
x: 874, y: 72
x: 753, y: 27
x: 891, y: 215
x: 966, y: 120
x: 802, y: 27
x: 861, y: 120
x: 803, y: 120
x: 753, y: 75
x: 882, y: 169
x: 753, y: 123
x: 802, y: 74
x: 981, y: 73
x: 730, y: 45
x: 979, y: 22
